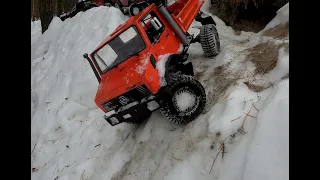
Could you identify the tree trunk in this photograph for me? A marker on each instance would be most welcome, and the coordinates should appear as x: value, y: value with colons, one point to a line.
x: 46, y: 13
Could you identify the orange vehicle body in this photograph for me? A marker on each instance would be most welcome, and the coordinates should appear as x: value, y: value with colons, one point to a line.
x: 126, y: 75
x: 98, y: 2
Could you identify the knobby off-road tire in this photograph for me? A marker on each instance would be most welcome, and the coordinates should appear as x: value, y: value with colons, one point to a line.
x: 145, y: 116
x: 178, y: 84
x: 118, y: 5
x: 134, y: 6
x: 209, y: 40
x: 108, y: 4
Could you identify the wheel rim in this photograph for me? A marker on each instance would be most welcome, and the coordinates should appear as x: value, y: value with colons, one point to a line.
x: 107, y: 4
x: 135, y: 10
x: 185, y: 101
x: 116, y: 5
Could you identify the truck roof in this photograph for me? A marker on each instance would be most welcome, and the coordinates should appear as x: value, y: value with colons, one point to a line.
x: 123, y: 26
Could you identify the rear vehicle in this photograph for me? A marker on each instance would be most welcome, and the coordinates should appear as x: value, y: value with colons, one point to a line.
x: 80, y: 6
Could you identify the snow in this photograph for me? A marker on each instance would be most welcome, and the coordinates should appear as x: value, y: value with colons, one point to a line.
x: 206, y: 5
x: 141, y: 68
x: 152, y: 105
x: 281, y: 18
x: 282, y: 68
x: 70, y: 140
x: 161, y: 67
x: 185, y: 100
x: 180, y: 48
x: 269, y: 149
x: 35, y: 31
x: 170, y: 2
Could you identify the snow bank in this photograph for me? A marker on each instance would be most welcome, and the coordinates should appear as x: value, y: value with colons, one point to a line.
x: 282, y: 68
x: 281, y: 17
x: 66, y: 124
x: 268, y: 154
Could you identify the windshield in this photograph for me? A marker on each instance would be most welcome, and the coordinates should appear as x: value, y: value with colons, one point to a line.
x: 120, y: 48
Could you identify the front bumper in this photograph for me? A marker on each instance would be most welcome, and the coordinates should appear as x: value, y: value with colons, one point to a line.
x: 131, y: 112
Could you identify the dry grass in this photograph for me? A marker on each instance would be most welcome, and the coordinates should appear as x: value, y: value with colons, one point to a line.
x: 264, y: 56
x: 255, y: 88
x: 278, y: 32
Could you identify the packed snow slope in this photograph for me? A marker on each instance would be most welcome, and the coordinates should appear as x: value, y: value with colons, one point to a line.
x: 243, y: 134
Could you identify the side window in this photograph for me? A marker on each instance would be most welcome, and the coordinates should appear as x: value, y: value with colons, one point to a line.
x: 152, y: 26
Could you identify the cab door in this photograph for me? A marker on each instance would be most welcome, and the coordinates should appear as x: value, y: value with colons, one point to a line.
x: 160, y: 34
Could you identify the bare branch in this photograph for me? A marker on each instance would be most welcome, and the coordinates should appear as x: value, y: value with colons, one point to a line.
x: 175, y: 157
x: 255, y: 107
x: 215, y: 159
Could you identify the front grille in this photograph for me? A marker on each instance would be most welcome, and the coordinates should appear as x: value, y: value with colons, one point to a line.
x: 133, y: 95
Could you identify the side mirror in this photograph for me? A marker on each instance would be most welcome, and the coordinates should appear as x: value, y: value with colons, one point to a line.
x: 156, y: 24
x: 86, y: 56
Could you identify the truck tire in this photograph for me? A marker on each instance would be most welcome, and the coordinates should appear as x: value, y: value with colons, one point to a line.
x: 134, y: 9
x: 181, y: 84
x: 145, y: 116
x: 209, y: 40
x: 118, y: 5
x: 108, y: 4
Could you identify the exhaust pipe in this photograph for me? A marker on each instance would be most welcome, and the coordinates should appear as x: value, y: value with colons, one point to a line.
x: 92, y: 66
x: 173, y: 24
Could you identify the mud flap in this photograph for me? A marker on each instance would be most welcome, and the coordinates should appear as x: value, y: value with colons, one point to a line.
x: 187, y: 69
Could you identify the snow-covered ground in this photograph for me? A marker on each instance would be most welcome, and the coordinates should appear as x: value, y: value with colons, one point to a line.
x: 35, y: 31
x: 242, y: 134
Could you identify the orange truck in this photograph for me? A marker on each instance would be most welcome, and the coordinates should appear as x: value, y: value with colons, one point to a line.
x: 142, y: 66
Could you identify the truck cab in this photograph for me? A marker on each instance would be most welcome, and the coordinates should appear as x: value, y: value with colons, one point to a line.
x: 126, y: 65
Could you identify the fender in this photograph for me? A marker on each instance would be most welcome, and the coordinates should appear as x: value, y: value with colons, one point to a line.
x: 175, y: 64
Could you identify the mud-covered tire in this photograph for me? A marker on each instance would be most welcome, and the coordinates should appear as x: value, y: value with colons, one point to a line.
x: 209, y: 40
x: 141, y: 119
x: 188, y: 83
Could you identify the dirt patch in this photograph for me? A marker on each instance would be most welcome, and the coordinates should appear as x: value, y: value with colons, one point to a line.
x: 264, y: 56
x: 255, y: 88
x: 248, y: 25
x: 218, y: 70
x: 219, y: 80
x: 246, y: 15
x: 198, y: 75
x: 278, y: 32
